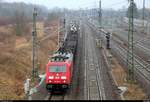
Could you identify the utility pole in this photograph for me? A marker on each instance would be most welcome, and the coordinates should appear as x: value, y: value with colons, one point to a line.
x: 143, y: 13
x: 100, y: 22
x: 112, y: 21
x: 34, y: 46
x: 130, y: 57
x: 100, y: 17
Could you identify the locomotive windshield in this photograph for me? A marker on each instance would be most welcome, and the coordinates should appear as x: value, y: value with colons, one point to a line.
x: 57, y: 69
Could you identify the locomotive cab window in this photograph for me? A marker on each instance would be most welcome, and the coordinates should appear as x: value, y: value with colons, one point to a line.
x: 57, y: 69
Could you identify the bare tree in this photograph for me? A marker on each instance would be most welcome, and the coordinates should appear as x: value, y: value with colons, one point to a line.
x: 20, y: 20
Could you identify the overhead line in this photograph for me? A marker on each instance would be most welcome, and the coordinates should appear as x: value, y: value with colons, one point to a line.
x: 117, y: 3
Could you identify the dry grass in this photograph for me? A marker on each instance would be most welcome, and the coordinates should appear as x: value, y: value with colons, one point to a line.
x: 134, y: 92
x: 40, y: 29
x: 15, y: 61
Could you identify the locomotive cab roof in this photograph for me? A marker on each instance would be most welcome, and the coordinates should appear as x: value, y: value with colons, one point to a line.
x: 61, y: 57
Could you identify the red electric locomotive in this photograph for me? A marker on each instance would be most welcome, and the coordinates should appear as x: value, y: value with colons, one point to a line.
x: 60, y: 68
x: 59, y: 72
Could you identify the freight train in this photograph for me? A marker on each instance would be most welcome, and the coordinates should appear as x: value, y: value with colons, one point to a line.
x: 59, y: 69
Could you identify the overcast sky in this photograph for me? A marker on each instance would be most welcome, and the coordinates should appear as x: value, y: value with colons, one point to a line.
x: 76, y: 4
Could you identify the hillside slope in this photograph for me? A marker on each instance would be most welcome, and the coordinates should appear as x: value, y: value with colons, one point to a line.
x: 15, y: 60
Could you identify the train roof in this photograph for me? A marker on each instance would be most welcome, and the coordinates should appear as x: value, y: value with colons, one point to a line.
x: 61, y: 57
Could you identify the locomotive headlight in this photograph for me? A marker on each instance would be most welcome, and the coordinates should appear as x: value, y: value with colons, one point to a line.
x: 63, y: 77
x: 51, y: 77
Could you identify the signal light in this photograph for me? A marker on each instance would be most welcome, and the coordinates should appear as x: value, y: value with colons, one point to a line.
x: 51, y: 77
x: 63, y: 77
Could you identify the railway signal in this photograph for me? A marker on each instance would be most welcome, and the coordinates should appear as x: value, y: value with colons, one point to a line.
x: 64, y: 22
x: 108, y: 40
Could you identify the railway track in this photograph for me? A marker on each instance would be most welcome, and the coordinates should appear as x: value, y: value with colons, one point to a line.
x: 138, y: 65
x: 141, y: 46
x: 142, y: 74
x: 51, y: 96
x: 98, y: 73
x: 111, y: 90
x: 142, y: 60
x: 142, y: 67
x: 94, y: 87
x: 139, y: 62
x: 56, y: 97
